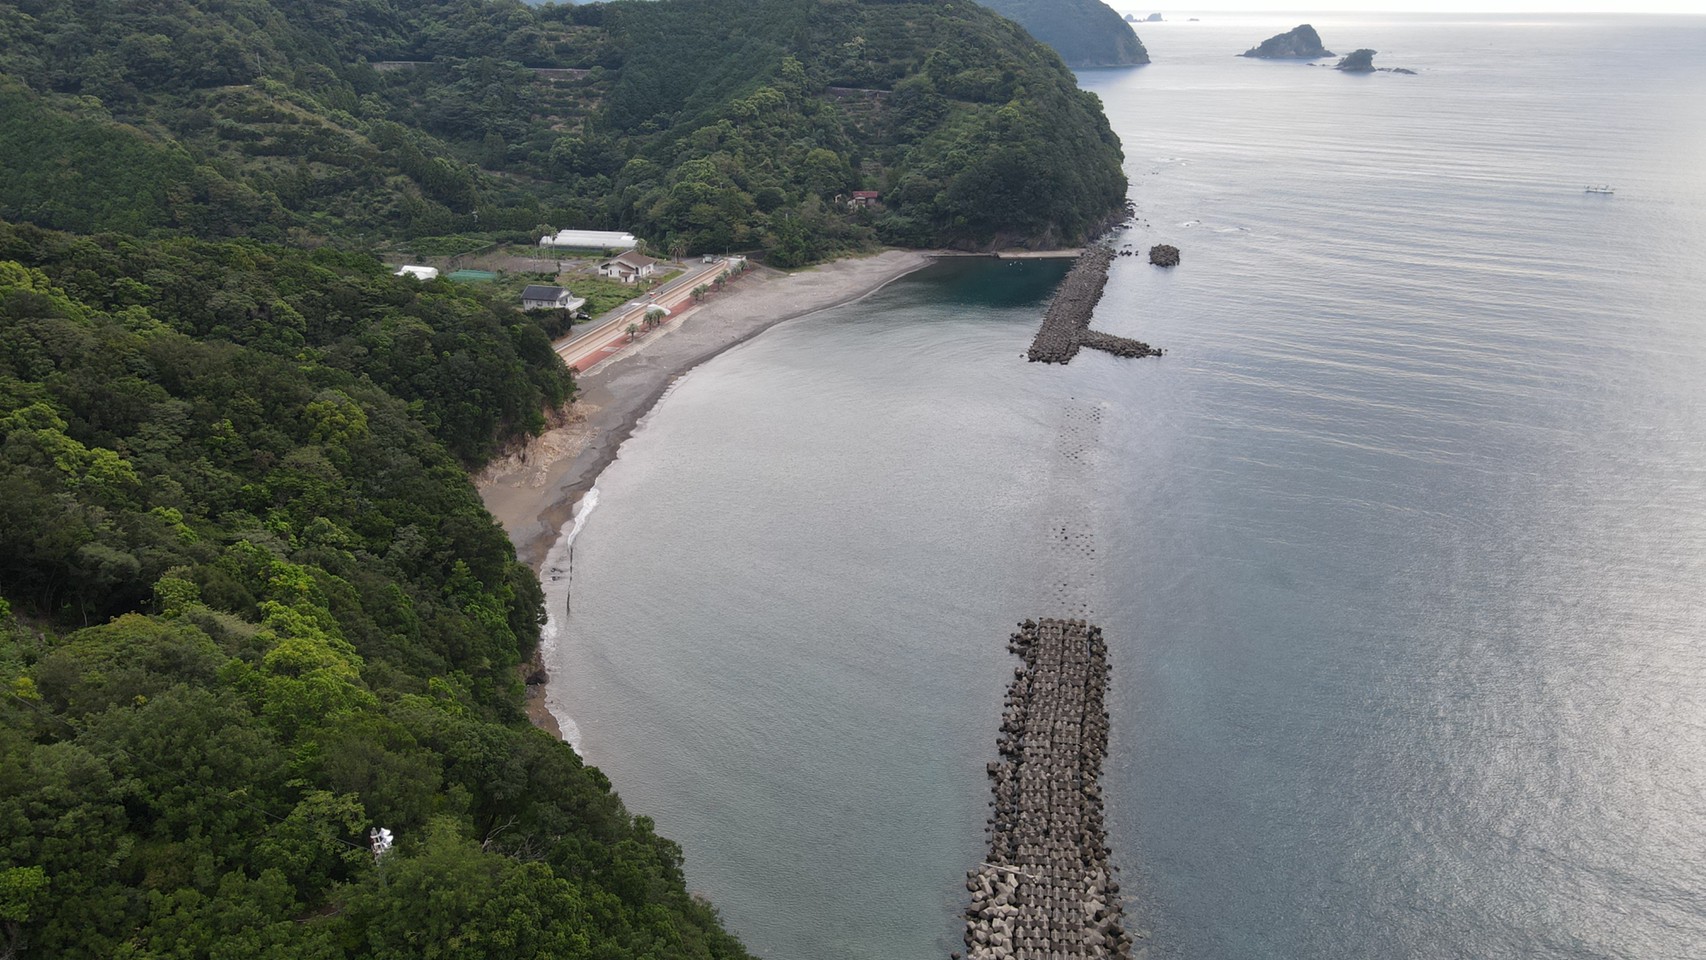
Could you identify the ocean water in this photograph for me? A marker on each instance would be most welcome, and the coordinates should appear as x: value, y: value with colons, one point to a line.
x: 1400, y: 549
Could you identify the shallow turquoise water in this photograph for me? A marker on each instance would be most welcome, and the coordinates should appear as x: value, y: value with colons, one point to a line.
x: 1401, y: 549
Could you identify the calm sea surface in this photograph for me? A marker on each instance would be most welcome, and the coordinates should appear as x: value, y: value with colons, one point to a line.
x: 1400, y: 549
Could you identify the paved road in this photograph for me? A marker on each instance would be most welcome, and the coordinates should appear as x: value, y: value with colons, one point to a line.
x: 581, y: 349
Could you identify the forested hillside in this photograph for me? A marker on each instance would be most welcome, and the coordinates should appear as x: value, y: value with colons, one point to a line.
x: 700, y: 124
x: 1086, y: 33
x: 252, y: 608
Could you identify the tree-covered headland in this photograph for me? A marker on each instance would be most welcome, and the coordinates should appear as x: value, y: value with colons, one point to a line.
x: 1086, y: 33
x: 253, y: 608
x: 699, y: 124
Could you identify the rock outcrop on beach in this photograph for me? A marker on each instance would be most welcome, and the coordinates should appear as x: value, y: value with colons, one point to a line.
x: 1357, y: 61
x: 1299, y: 43
x: 1164, y: 255
x: 1086, y: 33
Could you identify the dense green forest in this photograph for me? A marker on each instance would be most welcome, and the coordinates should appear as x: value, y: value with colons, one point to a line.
x: 1086, y: 33
x: 699, y: 124
x: 252, y: 608
x: 250, y: 605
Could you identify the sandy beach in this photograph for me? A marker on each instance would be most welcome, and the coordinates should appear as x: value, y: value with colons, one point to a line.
x: 533, y: 491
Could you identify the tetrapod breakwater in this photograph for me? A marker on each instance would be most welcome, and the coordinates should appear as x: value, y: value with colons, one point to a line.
x: 1066, y: 325
x: 1046, y: 890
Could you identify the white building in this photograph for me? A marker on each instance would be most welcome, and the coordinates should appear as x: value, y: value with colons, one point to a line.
x: 629, y: 267
x: 419, y: 273
x: 591, y: 240
x: 540, y: 297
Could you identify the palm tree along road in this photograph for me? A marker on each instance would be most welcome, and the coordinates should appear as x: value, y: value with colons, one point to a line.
x: 583, y: 349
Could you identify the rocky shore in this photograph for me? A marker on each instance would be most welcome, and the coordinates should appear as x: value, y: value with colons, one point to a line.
x: 1066, y: 325
x: 1047, y: 890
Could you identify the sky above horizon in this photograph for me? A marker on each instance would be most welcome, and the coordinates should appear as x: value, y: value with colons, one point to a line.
x: 1696, y: 7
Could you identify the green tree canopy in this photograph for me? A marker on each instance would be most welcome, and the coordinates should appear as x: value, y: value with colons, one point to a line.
x: 704, y: 125
x: 253, y: 608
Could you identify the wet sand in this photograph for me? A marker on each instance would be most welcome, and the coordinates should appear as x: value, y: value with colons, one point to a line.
x: 533, y: 491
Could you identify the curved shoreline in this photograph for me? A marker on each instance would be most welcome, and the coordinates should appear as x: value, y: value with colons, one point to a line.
x: 534, y: 491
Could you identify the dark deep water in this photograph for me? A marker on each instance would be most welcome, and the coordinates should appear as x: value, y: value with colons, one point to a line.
x: 1401, y: 549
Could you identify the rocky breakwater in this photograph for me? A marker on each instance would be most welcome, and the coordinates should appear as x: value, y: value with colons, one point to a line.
x: 1066, y: 325
x: 1047, y: 890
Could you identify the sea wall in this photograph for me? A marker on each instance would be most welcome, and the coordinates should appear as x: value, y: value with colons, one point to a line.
x: 1046, y: 890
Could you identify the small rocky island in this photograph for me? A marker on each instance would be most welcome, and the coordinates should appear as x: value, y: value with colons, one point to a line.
x: 1299, y: 43
x: 1164, y: 255
x: 1357, y: 61
x: 1362, y: 61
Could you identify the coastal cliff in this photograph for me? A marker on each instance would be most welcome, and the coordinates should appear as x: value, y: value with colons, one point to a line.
x: 1299, y: 43
x: 1086, y: 33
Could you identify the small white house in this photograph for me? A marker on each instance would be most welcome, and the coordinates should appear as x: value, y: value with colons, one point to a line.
x: 630, y: 267
x: 540, y: 297
x: 419, y: 273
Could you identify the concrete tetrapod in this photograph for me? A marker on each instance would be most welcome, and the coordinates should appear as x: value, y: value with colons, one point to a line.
x: 1066, y: 325
x: 1046, y: 888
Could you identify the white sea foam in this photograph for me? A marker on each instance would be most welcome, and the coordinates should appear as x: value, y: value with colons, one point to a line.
x: 556, y: 577
x: 582, y: 511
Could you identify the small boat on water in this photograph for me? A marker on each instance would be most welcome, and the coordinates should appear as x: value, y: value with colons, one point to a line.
x: 1599, y: 190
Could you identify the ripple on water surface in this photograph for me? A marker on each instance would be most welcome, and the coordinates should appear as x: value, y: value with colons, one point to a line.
x: 1400, y: 549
